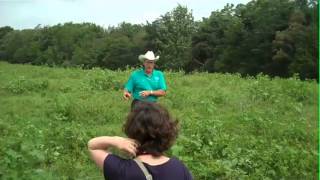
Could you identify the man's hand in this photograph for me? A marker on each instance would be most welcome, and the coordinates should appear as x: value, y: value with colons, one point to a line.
x: 126, y: 95
x: 145, y: 93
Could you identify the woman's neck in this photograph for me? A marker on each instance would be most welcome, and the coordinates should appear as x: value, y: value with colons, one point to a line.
x: 153, y: 160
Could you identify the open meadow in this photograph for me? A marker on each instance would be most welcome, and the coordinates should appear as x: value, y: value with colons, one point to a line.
x: 231, y: 127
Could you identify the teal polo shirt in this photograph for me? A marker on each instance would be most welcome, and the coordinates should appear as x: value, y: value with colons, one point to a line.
x: 140, y: 81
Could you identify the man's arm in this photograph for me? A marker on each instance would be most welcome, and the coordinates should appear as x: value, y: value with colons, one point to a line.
x: 153, y: 93
x: 128, y: 88
x: 126, y: 94
x: 158, y: 93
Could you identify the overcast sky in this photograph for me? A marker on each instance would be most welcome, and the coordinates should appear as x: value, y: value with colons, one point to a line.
x: 22, y: 14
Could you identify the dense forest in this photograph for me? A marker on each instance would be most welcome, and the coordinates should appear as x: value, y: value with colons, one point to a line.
x: 273, y: 37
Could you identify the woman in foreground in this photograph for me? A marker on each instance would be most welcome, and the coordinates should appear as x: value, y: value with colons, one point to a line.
x: 151, y: 131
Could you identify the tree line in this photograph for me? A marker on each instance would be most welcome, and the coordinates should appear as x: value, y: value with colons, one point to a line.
x: 274, y: 37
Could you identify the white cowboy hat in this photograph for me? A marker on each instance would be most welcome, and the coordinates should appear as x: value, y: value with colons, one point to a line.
x: 149, y: 56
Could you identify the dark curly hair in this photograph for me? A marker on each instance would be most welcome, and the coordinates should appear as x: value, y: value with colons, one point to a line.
x: 152, y: 126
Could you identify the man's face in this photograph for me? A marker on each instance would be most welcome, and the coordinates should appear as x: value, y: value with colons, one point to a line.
x: 148, y: 65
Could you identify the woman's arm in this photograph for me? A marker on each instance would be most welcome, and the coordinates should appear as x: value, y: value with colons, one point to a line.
x: 98, y: 147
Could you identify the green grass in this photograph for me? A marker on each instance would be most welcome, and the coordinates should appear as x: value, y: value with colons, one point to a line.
x: 231, y: 127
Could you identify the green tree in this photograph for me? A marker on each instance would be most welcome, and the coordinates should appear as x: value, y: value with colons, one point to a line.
x: 4, y: 30
x: 171, y: 37
x: 294, y: 46
x: 216, y: 45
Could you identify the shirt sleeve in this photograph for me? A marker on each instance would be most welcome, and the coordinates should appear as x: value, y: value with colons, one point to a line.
x: 129, y: 85
x: 187, y: 174
x: 112, y: 167
x: 162, y: 81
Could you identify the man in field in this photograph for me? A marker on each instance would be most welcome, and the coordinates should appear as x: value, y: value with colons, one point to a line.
x: 145, y: 84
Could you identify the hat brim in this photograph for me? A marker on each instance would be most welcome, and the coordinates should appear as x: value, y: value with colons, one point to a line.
x: 142, y: 58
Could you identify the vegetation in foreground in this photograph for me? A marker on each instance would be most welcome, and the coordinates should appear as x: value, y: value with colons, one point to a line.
x: 231, y: 127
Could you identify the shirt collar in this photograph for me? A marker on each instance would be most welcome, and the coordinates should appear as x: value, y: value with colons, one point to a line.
x: 152, y: 73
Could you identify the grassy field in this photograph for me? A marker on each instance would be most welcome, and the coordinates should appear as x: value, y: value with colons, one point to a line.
x: 231, y: 127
